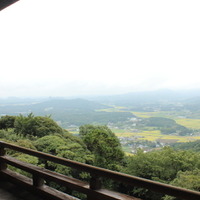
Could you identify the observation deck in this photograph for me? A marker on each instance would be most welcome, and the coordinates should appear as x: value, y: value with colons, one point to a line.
x: 35, y: 182
x: 9, y: 191
x: 15, y: 186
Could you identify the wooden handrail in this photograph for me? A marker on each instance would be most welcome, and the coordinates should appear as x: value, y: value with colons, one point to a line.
x: 97, y: 172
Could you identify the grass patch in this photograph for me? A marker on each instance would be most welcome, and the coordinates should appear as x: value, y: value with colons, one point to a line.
x: 189, y: 123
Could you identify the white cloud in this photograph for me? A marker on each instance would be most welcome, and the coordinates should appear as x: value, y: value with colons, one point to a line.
x: 105, y: 46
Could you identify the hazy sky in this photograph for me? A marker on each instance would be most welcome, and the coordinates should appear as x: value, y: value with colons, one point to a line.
x: 81, y: 47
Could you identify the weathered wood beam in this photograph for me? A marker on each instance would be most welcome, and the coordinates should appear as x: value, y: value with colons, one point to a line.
x: 6, y: 3
x: 3, y: 165
x: 43, y: 174
x: 47, y: 193
x: 96, y: 172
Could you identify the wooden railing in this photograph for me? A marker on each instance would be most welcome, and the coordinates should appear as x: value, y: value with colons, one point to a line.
x: 92, y: 189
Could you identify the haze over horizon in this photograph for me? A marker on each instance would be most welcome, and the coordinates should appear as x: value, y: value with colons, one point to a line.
x: 75, y: 48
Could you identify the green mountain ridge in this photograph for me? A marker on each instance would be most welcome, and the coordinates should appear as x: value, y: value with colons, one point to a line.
x: 69, y: 111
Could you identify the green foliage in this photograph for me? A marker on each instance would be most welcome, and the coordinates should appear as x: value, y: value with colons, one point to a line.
x: 23, y: 157
x: 28, y: 159
x: 35, y: 126
x: 187, y: 179
x: 194, y: 146
x: 26, y: 143
x: 102, y: 142
x: 66, y: 146
x: 10, y: 135
x: 69, y: 147
x: 49, y: 143
x: 97, y: 145
x: 159, y: 122
x: 26, y: 125
x: 7, y: 122
x: 70, y: 111
x: 23, y: 143
x: 162, y: 166
x: 166, y: 125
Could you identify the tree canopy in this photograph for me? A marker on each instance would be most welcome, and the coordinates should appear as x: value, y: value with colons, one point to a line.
x: 7, y: 122
x: 98, y: 145
x: 102, y: 142
x: 36, y: 126
x: 163, y: 166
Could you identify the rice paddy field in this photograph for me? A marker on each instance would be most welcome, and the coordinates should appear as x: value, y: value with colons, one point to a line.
x: 154, y: 135
x: 113, y: 109
x: 147, y: 114
x: 189, y: 123
x: 167, y: 114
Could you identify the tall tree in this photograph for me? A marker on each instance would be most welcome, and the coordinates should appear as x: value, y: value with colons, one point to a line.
x: 102, y: 142
x: 162, y: 166
x: 7, y: 122
x: 36, y: 126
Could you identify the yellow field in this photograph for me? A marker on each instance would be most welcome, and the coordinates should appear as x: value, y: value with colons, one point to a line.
x: 156, y: 135
x: 167, y: 114
x: 144, y: 114
x: 128, y: 154
x: 144, y: 133
x: 189, y: 123
x: 153, y: 135
x: 116, y: 109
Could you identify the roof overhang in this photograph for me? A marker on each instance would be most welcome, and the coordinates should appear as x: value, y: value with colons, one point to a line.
x: 6, y: 3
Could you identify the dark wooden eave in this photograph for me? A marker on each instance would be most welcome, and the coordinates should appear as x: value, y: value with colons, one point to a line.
x: 6, y: 3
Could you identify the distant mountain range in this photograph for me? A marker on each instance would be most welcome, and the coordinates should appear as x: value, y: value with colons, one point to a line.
x: 149, y: 97
x: 66, y: 111
x: 163, y: 95
x: 86, y: 111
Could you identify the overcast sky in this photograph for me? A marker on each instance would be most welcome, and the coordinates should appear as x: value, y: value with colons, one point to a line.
x: 80, y: 47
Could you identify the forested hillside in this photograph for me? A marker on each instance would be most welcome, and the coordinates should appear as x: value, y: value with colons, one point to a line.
x: 147, y: 120
x: 68, y: 112
x: 166, y: 125
x: 97, y: 145
x: 194, y: 146
x: 183, y: 102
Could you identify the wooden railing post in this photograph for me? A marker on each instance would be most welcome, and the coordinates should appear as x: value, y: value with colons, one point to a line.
x: 94, y: 191
x: 95, y: 184
x: 37, y: 181
x: 3, y: 165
